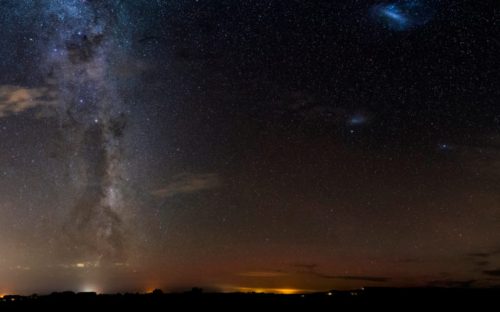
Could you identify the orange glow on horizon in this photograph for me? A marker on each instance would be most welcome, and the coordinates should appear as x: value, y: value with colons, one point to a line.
x: 150, y: 290
x: 262, y: 290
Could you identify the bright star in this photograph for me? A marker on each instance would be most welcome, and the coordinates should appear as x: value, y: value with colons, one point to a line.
x: 445, y: 147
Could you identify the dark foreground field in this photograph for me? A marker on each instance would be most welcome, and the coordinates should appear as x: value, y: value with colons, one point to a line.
x: 405, y: 299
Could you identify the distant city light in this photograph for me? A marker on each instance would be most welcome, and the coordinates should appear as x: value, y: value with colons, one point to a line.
x: 259, y: 290
x: 90, y: 288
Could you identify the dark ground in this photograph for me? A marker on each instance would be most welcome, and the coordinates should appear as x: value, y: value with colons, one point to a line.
x: 384, y: 298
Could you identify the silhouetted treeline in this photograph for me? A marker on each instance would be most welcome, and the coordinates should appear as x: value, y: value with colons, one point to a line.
x: 403, y: 298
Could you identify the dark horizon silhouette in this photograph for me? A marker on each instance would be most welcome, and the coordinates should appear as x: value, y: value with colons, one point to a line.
x: 196, y: 297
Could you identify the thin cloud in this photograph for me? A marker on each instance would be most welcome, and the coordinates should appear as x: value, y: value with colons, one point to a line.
x: 307, y: 266
x: 17, y: 99
x: 479, y: 254
x: 366, y: 278
x: 451, y: 283
x: 492, y: 272
x: 311, y: 269
x: 408, y: 260
x: 378, y: 279
x: 482, y: 263
x: 187, y: 183
x: 263, y: 274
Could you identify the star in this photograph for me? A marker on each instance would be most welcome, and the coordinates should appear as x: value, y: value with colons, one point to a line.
x: 445, y: 147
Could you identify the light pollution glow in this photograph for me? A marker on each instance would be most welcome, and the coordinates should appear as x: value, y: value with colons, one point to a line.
x: 260, y: 290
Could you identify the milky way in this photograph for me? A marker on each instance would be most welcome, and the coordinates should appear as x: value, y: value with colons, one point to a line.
x: 79, y: 49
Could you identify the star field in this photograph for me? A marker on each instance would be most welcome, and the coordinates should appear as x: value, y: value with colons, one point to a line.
x: 241, y: 145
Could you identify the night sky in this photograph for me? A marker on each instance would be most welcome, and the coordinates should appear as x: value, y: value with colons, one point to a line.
x: 269, y: 145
